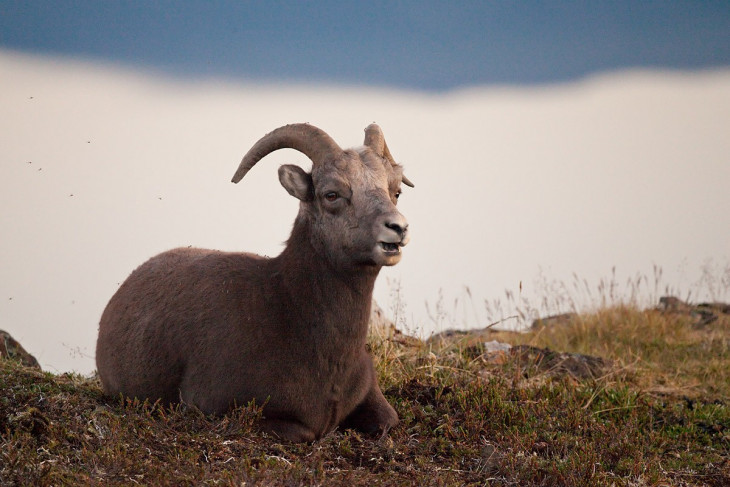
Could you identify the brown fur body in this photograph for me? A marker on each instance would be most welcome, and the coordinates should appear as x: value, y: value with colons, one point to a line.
x: 215, y: 329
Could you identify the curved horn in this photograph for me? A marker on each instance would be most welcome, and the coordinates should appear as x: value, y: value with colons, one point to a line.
x: 307, y: 139
x: 407, y: 181
x: 389, y: 156
x: 374, y: 138
x: 376, y: 141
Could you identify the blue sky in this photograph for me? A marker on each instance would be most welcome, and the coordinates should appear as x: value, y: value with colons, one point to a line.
x: 427, y: 45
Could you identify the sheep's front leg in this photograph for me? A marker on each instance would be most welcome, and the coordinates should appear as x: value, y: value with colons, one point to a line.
x: 373, y: 414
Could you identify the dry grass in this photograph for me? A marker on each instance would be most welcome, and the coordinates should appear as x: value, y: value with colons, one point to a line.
x: 659, y: 415
x: 661, y: 351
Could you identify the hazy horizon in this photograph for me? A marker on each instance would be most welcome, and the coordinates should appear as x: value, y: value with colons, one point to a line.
x: 104, y: 167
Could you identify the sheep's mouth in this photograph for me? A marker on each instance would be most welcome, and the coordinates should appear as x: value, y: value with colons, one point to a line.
x: 390, y: 248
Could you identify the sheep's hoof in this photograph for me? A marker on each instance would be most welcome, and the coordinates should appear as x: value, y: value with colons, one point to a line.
x: 371, y: 419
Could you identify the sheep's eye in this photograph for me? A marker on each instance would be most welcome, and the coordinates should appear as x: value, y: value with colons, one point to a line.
x: 331, y: 196
x: 397, y: 195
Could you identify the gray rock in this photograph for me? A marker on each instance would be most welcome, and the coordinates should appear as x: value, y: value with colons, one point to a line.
x: 382, y: 327
x: 12, y: 350
x: 703, y: 314
x: 495, y: 346
x: 558, y: 364
x: 561, y: 319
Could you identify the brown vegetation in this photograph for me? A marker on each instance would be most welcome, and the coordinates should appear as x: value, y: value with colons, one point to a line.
x: 656, y: 412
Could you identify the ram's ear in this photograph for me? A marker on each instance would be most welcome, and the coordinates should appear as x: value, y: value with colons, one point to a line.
x: 296, y: 182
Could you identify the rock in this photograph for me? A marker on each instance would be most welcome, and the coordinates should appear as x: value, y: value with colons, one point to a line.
x: 470, y: 337
x: 541, y: 360
x: 382, y: 327
x: 559, y: 364
x: 672, y: 304
x: 703, y: 313
x: 11, y: 349
x: 561, y: 319
x: 495, y: 346
x: 717, y: 307
x: 449, y: 334
x: 493, y: 352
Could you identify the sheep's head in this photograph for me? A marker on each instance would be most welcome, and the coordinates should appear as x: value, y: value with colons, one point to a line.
x: 348, y: 200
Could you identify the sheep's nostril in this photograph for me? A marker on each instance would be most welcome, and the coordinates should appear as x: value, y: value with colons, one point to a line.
x: 397, y: 228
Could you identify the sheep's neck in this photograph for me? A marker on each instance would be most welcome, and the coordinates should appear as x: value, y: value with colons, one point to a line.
x: 328, y: 301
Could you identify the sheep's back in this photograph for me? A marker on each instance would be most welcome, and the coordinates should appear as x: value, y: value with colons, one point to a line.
x: 173, y: 310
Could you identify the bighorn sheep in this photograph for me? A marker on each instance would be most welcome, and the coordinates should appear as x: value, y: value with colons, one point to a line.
x: 215, y: 329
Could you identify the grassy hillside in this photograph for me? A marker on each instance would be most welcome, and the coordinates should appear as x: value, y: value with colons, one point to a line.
x: 654, y: 410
